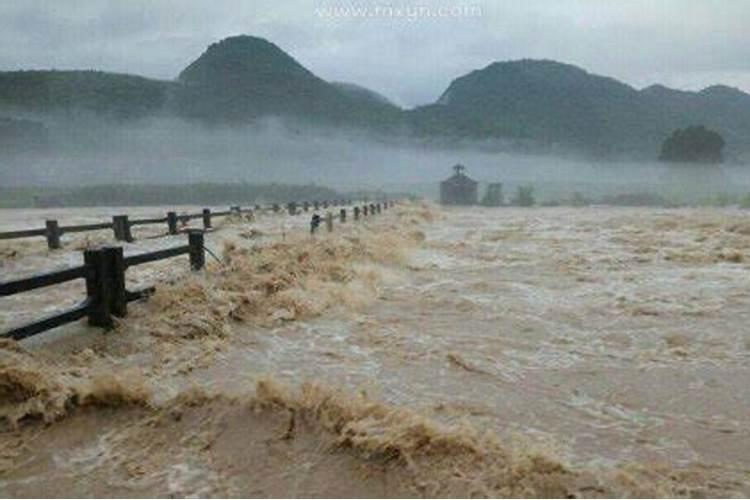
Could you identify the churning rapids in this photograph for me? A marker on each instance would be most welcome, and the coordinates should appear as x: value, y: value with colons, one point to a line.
x: 426, y: 352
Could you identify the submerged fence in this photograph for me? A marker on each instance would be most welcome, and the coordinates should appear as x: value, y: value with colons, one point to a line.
x: 104, y: 268
x: 121, y: 224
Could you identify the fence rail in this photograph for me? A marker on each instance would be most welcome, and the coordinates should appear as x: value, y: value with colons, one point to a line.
x: 121, y: 224
x: 104, y: 271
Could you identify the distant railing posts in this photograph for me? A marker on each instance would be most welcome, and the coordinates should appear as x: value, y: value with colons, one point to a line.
x: 342, y: 215
x: 121, y: 228
x: 329, y: 222
x: 196, y: 250
x: 122, y: 225
x: 172, y: 222
x: 206, y: 218
x: 53, y: 234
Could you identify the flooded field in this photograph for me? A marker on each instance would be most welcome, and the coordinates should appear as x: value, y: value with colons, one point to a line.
x: 565, y: 352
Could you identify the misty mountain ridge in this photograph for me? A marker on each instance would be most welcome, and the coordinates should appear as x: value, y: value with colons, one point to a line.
x: 541, y: 104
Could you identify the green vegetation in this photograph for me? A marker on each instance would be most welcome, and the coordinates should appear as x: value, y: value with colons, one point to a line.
x: 105, y: 94
x: 493, y: 197
x: 243, y: 77
x: 186, y: 194
x: 525, y: 105
x: 525, y: 196
x: 693, y: 145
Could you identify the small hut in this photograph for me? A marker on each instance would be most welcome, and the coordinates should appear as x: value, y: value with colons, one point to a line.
x: 459, y: 189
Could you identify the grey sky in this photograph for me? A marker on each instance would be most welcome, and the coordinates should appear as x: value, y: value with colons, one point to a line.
x: 681, y: 43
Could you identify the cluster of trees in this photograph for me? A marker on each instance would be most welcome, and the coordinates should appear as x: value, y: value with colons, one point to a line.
x: 696, y: 144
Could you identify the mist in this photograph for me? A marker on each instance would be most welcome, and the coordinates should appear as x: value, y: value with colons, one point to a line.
x: 89, y: 151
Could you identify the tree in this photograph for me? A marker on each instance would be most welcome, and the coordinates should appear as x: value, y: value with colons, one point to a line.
x: 696, y: 144
x: 525, y: 196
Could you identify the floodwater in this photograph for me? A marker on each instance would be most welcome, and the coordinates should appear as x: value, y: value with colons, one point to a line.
x: 426, y: 352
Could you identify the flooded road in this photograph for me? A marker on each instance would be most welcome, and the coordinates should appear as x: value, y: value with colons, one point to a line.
x: 426, y: 352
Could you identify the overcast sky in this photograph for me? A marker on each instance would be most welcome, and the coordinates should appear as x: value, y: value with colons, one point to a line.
x: 406, y: 52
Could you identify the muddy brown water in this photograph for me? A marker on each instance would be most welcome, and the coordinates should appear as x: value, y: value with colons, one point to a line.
x: 429, y: 352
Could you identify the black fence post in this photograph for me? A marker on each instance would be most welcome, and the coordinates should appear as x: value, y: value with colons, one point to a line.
x: 206, y: 218
x: 121, y: 227
x: 172, y: 222
x: 53, y: 234
x: 197, y: 252
x: 364, y: 210
x: 342, y: 215
x: 98, y: 287
x: 356, y: 213
x: 118, y: 302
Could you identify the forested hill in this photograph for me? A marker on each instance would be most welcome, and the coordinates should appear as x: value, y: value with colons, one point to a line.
x: 539, y: 104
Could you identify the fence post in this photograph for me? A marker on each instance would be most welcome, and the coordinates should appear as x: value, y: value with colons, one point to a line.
x: 377, y: 208
x: 356, y: 213
x: 342, y: 215
x: 306, y: 206
x: 98, y: 287
x: 325, y: 204
x: 53, y: 234
x: 172, y: 222
x: 121, y: 227
x: 329, y: 222
x: 372, y: 209
x: 364, y: 210
x: 206, y: 218
x: 118, y: 302
x: 316, y: 205
x: 197, y: 253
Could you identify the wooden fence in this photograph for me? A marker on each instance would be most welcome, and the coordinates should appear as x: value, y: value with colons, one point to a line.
x: 104, y: 270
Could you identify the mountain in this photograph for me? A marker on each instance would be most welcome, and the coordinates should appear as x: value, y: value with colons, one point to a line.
x: 557, y: 105
x: 242, y: 78
x: 528, y: 104
x: 544, y: 102
x: 110, y: 95
x: 360, y: 92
